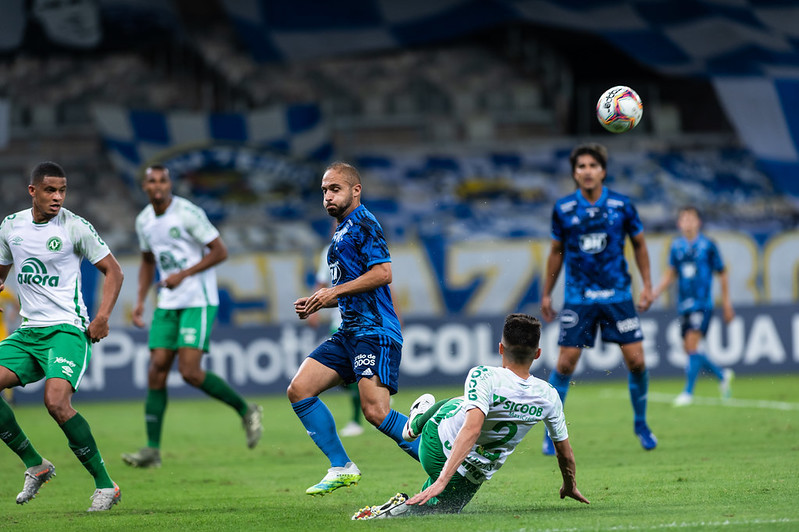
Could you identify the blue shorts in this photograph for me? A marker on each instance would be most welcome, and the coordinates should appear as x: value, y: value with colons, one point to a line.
x: 619, y: 323
x: 697, y: 320
x: 354, y: 358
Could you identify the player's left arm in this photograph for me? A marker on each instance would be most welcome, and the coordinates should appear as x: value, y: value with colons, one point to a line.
x: 217, y: 252
x: 641, y: 255
x: 728, y: 311
x: 376, y: 276
x: 112, y: 283
x: 464, y: 443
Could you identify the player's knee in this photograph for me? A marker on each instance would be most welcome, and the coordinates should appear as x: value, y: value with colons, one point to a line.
x: 295, y: 393
x: 375, y: 413
x: 193, y: 377
x: 59, y: 410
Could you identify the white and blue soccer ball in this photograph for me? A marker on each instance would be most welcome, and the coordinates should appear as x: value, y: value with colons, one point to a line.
x: 619, y: 109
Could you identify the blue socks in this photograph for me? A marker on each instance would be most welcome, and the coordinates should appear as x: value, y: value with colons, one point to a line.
x: 560, y: 383
x: 392, y: 427
x: 696, y: 363
x: 318, y: 421
x: 639, y: 387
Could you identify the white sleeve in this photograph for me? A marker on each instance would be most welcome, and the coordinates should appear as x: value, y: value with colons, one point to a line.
x: 197, y: 224
x: 5, y: 252
x: 477, y: 389
x: 86, y: 240
x: 555, y: 421
x: 323, y: 271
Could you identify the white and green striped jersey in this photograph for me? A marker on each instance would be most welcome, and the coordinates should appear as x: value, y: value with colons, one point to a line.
x: 178, y: 239
x: 512, y: 406
x: 46, y: 258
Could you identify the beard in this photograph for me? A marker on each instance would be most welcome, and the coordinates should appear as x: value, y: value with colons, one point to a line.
x: 337, y: 210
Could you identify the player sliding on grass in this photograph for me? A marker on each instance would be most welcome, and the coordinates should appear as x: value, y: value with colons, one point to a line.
x: 176, y: 237
x: 46, y: 245
x: 465, y: 440
x: 367, y: 347
x: 589, y: 230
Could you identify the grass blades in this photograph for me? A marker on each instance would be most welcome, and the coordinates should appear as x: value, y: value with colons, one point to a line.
x: 718, y: 466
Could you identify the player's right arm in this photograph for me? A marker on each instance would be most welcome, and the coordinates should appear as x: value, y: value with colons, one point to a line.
x: 568, y: 471
x: 554, y: 264
x: 146, y: 276
x: 463, y: 445
x: 668, y: 277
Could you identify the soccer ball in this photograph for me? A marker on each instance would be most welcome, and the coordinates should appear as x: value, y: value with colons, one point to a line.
x: 619, y: 109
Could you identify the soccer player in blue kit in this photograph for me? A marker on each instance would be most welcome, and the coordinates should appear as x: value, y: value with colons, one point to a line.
x: 367, y: 346
x: 693, y: 259
x: 589, y: 229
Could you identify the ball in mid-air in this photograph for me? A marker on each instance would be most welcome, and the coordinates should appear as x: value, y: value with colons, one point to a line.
x: 619, y: 109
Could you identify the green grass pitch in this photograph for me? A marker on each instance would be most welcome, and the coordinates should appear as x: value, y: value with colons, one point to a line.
x: 732, y: 466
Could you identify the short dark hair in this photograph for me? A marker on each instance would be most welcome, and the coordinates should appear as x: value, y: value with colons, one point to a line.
x: 350, y: 172
x: 595, y: 150
x: 520, y: 336
x: 689, y: 208
x: 46, y: 169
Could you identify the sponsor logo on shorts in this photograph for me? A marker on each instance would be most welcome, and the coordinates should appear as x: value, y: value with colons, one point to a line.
x: 593, y: 243
x: 367, y: 372
x: 364, y: 359
x: 568, y: 318
x: 66, y: 370
x: 33, y: 271
x: 62, y: 360
x: 628, y: 325
x: 189, y: 334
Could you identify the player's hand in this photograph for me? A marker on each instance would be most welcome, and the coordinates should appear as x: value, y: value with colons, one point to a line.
x: 320, y: 299
x: 434, y: 490
x: 547, y: 312
x: 98, y: 329
x: 729, y: 313
x: 299, y: 307
x: 645, y: 300
x: 138, y: 312
x: 173, y: 280
x: 573, y: 493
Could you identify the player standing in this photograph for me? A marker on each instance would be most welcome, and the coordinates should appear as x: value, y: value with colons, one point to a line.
x: 589, y: 229
x: 47, y: 244
x: 367, y: 347
x: 693, y: 259
x: 465, y: 440
x: 176, y: 237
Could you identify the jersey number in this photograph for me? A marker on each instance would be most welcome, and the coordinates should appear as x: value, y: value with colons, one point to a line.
x: 499, y: 427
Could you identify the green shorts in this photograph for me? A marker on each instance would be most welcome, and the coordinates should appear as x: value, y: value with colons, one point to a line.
x: 459, y: 490
x: 187, y: 327
x: 59, y: 351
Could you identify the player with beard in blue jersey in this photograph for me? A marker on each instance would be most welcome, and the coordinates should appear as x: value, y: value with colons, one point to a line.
x: 589, y: 229
x: 367, y: 346
x: 694, y: 258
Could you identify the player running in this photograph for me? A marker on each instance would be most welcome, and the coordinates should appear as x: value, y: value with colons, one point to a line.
x: 176, y: 237
x: 465, y: 440
x: 693, y: 259
x: 589, y: 229
x: 46, y: 244
x: 367, y: 347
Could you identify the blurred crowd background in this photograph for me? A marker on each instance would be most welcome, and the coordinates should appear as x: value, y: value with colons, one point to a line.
x: 461, y: 125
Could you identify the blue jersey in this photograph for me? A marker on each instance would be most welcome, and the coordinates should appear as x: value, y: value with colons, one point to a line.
x: 593, y: 238
x: 358, y: 244
x: 695, y: 262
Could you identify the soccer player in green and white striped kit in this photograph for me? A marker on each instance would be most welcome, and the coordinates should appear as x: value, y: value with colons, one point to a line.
x: 465, y: 440
x: 176, y: 237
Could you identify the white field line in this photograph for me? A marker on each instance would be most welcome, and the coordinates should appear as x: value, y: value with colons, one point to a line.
x: 710, y: 401
x: 675, y: 525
